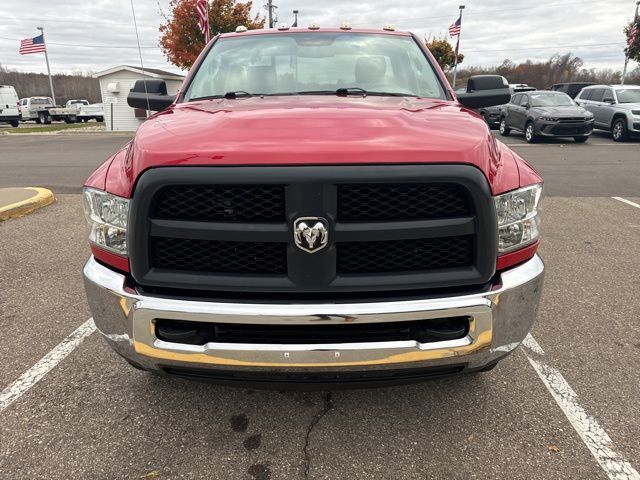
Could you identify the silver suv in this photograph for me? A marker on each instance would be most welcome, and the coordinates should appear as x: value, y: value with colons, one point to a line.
x: 616, y: 108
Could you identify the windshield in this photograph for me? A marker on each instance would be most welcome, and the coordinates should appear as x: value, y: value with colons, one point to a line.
x: 551, y: 99
x: 628, y: 95
x: 293, y: 63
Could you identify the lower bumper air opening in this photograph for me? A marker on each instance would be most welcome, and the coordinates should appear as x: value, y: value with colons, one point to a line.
x: 422, y: 331
x: 317, y: 379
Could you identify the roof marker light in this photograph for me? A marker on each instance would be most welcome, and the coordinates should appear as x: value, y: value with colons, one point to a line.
x: 389, y: 28
x: 345, y: 26
x: 283, y: 26
x: 314, y: 26
x: 241, y: 29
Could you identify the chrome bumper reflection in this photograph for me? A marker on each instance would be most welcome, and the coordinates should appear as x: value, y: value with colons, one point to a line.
x: 500, y: 319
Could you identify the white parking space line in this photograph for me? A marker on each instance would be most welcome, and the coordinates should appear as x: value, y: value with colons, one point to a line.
x: 45, y: 365
x: 592, y: 434
x: 628, y: 202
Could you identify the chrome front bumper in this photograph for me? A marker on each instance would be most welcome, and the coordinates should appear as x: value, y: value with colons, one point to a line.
x: 500, y: 319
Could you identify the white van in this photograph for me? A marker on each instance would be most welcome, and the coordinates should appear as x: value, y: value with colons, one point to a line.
x: 9, y: 108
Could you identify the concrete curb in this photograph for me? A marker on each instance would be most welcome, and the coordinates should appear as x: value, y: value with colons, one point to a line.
x: 41, y: 198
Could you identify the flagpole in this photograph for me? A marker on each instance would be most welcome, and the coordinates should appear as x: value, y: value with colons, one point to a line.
x: 46, y: 57
x: 455, y: 60
x: 626, y: 57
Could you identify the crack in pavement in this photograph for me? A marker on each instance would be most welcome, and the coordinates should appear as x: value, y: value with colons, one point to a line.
x: 328, y: 405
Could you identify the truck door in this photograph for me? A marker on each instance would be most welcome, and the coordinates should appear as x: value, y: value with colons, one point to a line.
x: 24, y: 109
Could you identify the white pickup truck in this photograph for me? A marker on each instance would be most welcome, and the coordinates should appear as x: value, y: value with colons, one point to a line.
x: 87, y: 111
x: 43, y: 110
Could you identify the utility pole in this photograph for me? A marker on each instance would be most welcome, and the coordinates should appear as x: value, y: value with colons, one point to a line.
x: 271, y: 13
x: 46, y: 57
x: 626, y: 57
x: 455, y: 60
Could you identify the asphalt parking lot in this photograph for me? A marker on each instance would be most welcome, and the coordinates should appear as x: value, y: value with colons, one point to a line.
x: 565, y: 406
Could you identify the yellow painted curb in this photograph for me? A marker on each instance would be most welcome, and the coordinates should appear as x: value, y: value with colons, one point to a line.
x: 41, y: 198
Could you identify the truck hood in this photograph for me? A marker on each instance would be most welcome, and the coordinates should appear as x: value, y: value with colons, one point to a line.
x: 319, y: 130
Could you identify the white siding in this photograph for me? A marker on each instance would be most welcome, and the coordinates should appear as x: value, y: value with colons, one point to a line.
x: 123, y: 114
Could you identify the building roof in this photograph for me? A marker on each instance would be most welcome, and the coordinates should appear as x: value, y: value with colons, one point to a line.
x: 152, y: 72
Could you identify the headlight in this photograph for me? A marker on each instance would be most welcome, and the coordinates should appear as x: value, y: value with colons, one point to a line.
x: 588, y: 115
x: 517, y: 215
x: 636, y: 112
x: 107, y: 216
x: 549, y: 119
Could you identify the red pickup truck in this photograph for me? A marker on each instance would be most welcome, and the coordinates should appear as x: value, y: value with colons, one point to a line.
x: 314, y: 207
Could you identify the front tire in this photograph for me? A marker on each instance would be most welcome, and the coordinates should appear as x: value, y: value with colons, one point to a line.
x: 530, y: 133
x: 99, y: 119
x: 619, y: 130
x: 15, y: 123
x: 580, y: 139
x: 504, y: 130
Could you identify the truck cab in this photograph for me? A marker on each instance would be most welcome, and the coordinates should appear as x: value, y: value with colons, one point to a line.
x: 36, y: 109
x: 315, y: 207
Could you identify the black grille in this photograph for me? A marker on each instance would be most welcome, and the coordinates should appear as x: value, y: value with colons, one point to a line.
x: 405, y: 255
x: 210, y: 229
x: 570, y: 130
x: 221, y: 203
x: 223, y: 257
x: 571, y: 120
x: 401, y: 201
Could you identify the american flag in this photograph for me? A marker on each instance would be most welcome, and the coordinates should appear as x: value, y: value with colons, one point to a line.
x: 633, y: 33
x: 454, y: 29
x: 32, y: 45
x: 203, y: 18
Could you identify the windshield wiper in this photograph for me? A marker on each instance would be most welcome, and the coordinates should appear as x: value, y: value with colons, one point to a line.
x: 232, y: 95
x: 343, y: 92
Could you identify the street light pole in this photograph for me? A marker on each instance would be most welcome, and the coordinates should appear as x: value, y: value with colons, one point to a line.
x: 295, y: 22
x: 46, y: 57
x: 626, y: 57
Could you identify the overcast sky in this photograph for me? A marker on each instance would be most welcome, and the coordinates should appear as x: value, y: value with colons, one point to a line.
x: 93, y: 35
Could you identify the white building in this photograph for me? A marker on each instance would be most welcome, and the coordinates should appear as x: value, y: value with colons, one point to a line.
x: 115, y: 84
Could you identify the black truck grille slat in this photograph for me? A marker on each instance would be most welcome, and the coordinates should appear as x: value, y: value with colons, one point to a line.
x: 405, y: 255
x: 262, y: 203
x: 360, y: 202
x: 223, y: 257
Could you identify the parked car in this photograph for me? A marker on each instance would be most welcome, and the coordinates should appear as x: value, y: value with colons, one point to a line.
x: 493, y: 114
x: 9, y: 110
x: 571, y: 88
x: 616, y: 108
x: 44, y: 110
x: 306, y: 210
x: 545, y: 113
x: 87, y: 111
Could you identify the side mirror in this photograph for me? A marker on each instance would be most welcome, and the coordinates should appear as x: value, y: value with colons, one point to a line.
x: 485, y: 91
x: 609, y: 100
x: 150, y: 95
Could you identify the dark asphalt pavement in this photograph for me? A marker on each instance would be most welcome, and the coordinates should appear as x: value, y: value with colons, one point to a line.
x: 94, y: 417
x: 60, y: 163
